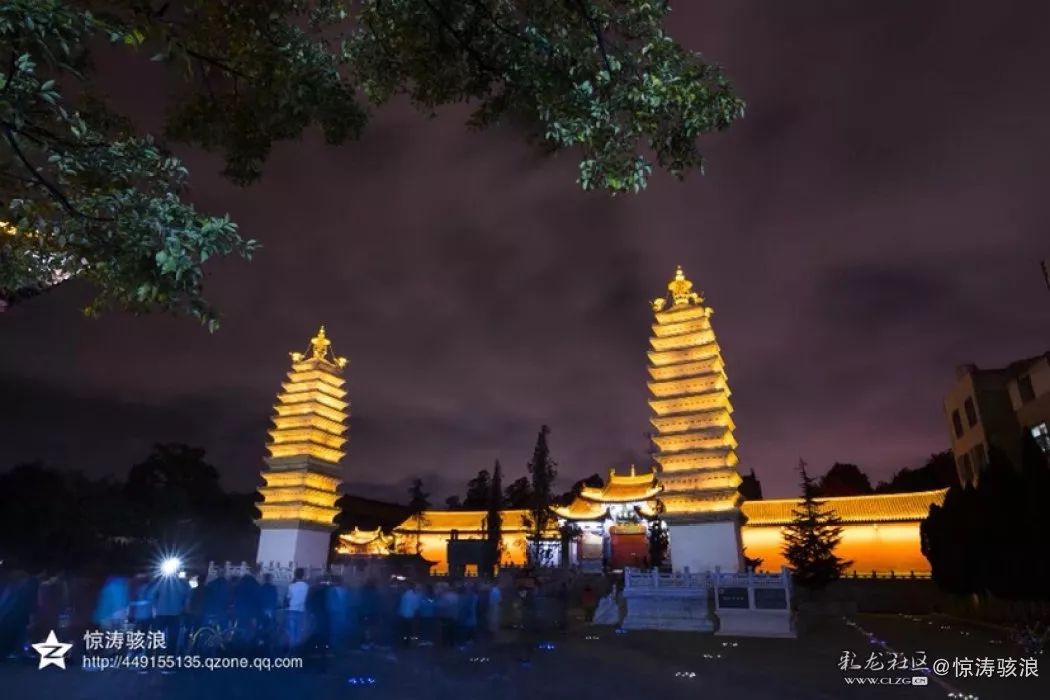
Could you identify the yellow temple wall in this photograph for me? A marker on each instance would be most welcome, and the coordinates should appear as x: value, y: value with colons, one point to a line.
x: 434, y: 548
x: 881, y: 548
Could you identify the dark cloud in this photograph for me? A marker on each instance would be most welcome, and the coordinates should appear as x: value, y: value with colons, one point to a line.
x: 876, y: 219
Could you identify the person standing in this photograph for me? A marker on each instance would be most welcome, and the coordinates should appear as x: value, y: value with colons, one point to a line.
x: 141, y: 614
x: 468, y: 614
x: 296, y: 612
x: 268, y: 606
x: 169, y: 598
x: 493, y: 610
x: 247, y: 608
x: 426, y: 618
x: 407, y: 610
x: 448, y: 611
x: 589, y: 602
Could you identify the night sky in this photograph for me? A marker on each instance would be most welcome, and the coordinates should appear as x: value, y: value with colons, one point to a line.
x: 875, y: 220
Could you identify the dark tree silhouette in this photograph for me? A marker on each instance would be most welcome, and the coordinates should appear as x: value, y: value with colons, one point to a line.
x: 518, y: 494
x: 478, y: 490
x: 811, y: 538
x: 750, y: 487
x: 593, y: 481
x: 453, y: 503
x: 494, y: 520
x: 844, y: 480
x: 937, y: 473
x: 995, y: 537
x: 418, y: 503
x: 542, y: 470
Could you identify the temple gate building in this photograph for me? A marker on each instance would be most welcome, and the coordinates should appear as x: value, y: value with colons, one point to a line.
x: 303, y: 473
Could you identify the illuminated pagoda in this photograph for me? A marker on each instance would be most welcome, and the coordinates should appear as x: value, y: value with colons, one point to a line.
x: 303, y: 473
x: 694, y: 440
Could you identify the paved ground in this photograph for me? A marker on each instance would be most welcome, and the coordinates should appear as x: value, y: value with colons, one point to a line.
x: 587, y: 663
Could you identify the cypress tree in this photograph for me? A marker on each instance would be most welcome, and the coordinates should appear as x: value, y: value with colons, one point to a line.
x: 811, y: 537
x: 542, y: 471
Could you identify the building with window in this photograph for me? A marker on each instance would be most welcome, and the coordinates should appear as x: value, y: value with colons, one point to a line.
x: 989, y: 407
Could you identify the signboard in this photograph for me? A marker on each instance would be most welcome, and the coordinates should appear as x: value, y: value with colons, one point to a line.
x: 771, y: 599
x: 732, y: 598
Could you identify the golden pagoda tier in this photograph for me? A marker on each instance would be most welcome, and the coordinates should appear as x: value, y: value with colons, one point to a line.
x: 305, y: 447
x: 692, y: 413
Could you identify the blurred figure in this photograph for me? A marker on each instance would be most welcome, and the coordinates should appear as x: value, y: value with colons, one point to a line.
x: 318, y: 627
x: 371, y: 611
x: 170, y: 596
x: 195, y: 605
x: 52, y: 607
x: 247, y: 608
x: 141, y: 612
x: 354, y: 631
x: 448, y: 614
x: 493, y: 610
x: 468, y: 614
x: 268, y: 604
x: 589, y: 602
x: 216, y: 607
x: 425, y: 617
x: 16, y: 612
x: 338, y: 611
x: 407, y: 611
x: 296, y: 612
x: 113, y: 600
x: 391, y: 598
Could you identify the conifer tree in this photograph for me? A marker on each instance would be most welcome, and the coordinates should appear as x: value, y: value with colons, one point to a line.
x: 811, y: 538
x: 418, y: 503
x: 494, y: 519
x: 542, y: 471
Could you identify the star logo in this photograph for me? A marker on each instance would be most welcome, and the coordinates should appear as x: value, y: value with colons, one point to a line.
x: 52, y: 651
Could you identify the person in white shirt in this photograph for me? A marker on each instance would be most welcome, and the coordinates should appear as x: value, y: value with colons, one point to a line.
x: 296, y: 612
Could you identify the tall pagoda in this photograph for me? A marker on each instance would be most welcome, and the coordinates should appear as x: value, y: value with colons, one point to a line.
x: 303, y: 473
x: 695, y: 448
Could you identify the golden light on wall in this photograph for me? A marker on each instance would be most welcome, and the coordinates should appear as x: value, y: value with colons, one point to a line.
x: 310, y: 424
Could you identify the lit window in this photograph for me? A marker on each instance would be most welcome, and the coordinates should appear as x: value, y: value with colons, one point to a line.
x: 1025, y: 389
x: 957, y: 424
x: 1042, y: 436
x: 971, y: 412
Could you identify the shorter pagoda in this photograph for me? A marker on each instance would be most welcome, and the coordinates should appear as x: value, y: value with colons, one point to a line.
x: 303, y: 473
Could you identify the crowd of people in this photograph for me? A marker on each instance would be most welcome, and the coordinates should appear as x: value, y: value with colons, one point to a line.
x: 252, y: 614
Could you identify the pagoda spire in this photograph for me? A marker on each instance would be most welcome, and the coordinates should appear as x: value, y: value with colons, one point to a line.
x: 692, y: 414
x: 305, y: 448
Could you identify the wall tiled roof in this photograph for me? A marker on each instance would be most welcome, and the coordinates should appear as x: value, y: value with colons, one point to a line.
x: 880, y: 508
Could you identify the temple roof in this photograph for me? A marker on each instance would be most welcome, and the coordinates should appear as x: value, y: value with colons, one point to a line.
x: 878, y: 508
x: 623, y: 488
x: 581, y: 509
x: 443, y: 521
x: 362, y: 537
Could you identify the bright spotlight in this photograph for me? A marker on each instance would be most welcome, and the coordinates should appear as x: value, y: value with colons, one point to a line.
x: 170, y: 566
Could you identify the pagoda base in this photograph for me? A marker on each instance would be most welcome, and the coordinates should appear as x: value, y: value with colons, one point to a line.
x: 706, y: 546
x: 294, y: 546
x: 652, y: 611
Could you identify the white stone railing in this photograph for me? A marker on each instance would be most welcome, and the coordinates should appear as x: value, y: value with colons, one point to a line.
x: 751, y: 591
x: 782, y: 579
x: 653, y: 580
